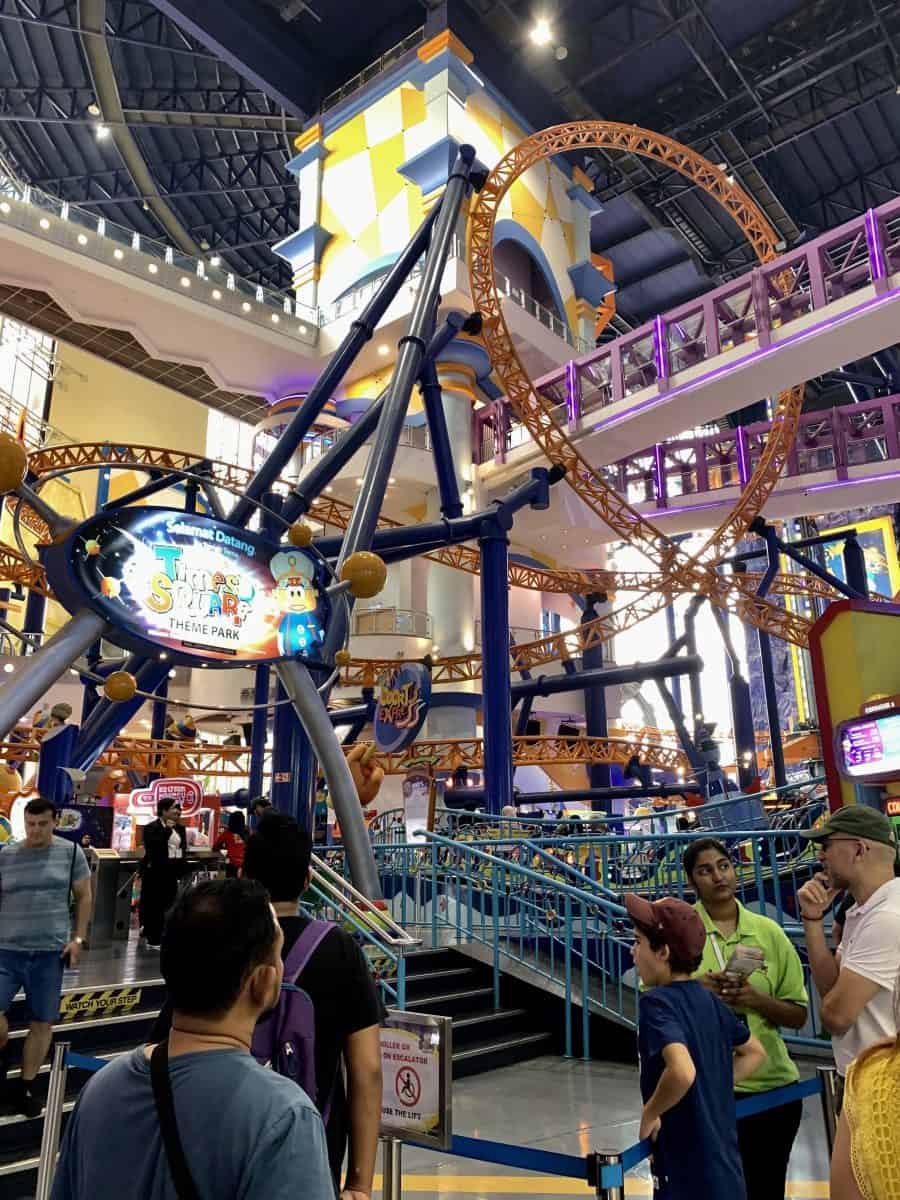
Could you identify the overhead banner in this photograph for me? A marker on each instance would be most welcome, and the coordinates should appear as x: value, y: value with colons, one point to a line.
x: 402, y: 700
x: 199, y: 588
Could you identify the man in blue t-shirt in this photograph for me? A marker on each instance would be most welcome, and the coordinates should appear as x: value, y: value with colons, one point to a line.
x: 244, y: 1130
x: 37, y: 878
x: 693, y: 1050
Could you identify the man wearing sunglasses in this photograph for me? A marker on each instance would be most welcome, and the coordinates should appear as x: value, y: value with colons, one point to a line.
x: 858, y: 850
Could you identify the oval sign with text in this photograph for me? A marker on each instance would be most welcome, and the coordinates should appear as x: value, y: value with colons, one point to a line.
x: 402, y: 700
x: 197, y: 588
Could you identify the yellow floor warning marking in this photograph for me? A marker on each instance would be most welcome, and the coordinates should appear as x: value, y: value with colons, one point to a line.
x: 552, y: 1185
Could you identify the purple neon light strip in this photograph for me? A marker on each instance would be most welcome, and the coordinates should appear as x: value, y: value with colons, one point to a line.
x: 659, y: 347
x: 659, y: 473
x: 876, y: 250
x: 795, y: 491
x: 755, y: 356
x: 572, y: 405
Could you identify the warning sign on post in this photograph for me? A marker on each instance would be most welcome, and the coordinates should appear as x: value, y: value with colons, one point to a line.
x: 415, y: 1060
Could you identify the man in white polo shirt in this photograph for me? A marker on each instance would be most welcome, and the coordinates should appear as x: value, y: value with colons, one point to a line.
x: 858, y: 850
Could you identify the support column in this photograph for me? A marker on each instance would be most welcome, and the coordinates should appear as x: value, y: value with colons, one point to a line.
x: 46, y: 665
x: 498, y: 745
x: 35, y: 615
x: 450, y: 593
x: 855, y: 565
x: 259, y: 730
x: 595, y: 697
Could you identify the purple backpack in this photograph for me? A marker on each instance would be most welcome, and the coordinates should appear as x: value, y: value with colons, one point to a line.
x: 285, y: 1039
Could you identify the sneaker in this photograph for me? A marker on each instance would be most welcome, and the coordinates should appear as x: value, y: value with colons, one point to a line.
x: 26, y: 1102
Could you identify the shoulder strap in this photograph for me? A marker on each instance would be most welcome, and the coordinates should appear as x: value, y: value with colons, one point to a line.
x: 165, y: 1110
x: 305, y: 947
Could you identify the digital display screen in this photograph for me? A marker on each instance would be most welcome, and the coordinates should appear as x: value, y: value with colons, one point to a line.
x: 201, y: 588
x: 870, y: 747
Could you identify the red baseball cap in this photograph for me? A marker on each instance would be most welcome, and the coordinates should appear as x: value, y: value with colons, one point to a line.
x: 673, y: 920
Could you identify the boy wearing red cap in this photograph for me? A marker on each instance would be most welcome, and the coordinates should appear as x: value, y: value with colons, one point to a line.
x: 693, y: 1050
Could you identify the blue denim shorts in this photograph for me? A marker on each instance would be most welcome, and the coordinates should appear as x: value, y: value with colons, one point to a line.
x: 39, y: 974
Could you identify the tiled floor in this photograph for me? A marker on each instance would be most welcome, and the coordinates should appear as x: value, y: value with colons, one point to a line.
x: 567, y: 1106
x: 570, y: 1107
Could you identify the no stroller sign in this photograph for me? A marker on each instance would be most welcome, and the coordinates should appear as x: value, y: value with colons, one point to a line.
x: 414, y: 1058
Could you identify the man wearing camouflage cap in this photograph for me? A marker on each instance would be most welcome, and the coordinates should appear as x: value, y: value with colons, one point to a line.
x: 858, y: 850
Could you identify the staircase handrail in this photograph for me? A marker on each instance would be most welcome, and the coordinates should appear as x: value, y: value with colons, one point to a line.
x: 578, y: 894
x: 371, y: 920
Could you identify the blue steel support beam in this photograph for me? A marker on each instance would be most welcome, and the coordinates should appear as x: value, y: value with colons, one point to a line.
x: 108, y: 719
x: 741, y: 709
x: 35, y: 614
x: 855, y: 565
x: 158, y: 718
x: 360, y: 332
x: 259, y: 730
x: 770, y: 689
x: 595, y: 721
x: 498, y: 746
x: 412, y: 350
x: 279, y: 66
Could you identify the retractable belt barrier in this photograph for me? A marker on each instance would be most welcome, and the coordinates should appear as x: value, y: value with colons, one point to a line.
x: 604, y: 1170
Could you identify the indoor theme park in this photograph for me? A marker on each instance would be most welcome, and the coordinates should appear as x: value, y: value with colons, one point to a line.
x: 449, y: 599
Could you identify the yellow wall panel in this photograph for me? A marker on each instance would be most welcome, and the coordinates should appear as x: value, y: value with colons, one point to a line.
x: 346, y: 141
x: 385, y: 158
x: 412, y: 106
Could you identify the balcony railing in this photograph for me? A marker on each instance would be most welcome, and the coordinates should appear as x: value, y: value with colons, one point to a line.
x: 333, y: 99
x: 66, y: 225
x: 834, y: 440
x: 392, y: 622
x: 753, y: 311
x: 519, y: 634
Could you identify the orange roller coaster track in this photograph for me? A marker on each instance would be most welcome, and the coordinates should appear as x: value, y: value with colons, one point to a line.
x: 692, y: 574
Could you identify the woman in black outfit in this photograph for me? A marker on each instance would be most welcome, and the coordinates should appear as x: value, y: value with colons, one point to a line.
x: 163, y: 866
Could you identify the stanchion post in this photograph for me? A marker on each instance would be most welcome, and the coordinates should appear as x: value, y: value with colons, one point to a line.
x: 56, y: 1094
x: 828, y: 1077
x: 606, y: 1175
x: 391, y: 1168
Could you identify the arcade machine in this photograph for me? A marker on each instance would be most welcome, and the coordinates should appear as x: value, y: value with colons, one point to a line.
x: 855, y: 652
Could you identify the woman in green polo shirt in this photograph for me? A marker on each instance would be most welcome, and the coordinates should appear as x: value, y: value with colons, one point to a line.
x: 771, y: 997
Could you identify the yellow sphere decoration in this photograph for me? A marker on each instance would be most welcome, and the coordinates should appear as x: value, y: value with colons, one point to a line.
x: 92, y: 548
x: 342, y: 658
x: 300, y: 535
x: 119, y: 686
x: 13, y: 463
x: 365, y: 572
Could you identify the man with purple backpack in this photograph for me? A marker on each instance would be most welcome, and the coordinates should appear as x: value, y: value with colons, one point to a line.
x: 325, y: 1035
x: 331, y: 969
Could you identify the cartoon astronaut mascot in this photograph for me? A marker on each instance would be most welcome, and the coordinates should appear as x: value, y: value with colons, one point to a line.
x: 296, y: 595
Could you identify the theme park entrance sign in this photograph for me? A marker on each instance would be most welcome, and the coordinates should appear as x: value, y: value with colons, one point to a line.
x: 404, y: 693
x: 199, y: 589
x: 186, y: 793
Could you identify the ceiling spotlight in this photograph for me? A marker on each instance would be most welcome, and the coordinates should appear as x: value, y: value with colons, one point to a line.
x: 152, y: 268
x: 246, y: 306
x: 275, y: 318
x: 102, y: 131
x: 384, y: 349
x: 392, y: 480
x: 8, y: 668
x: 117, y: 253
x: 204, y: 245
x: 145, y: 206
x: 329, y: 489
x: 163, y: 655
x: 561, y: 53
x: 541, y: 33
x: 217, y: 295
x: 94, y: 109
x: 185, y: 282
x: 82, y: 240
x: 44, y: 223
x: 359, y: 483
x: 730, y: 178
x: 215, y: 260
x: 172, y: 673
x: 4, y: 207
x: 722, y: 166
x: 301, y: 329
